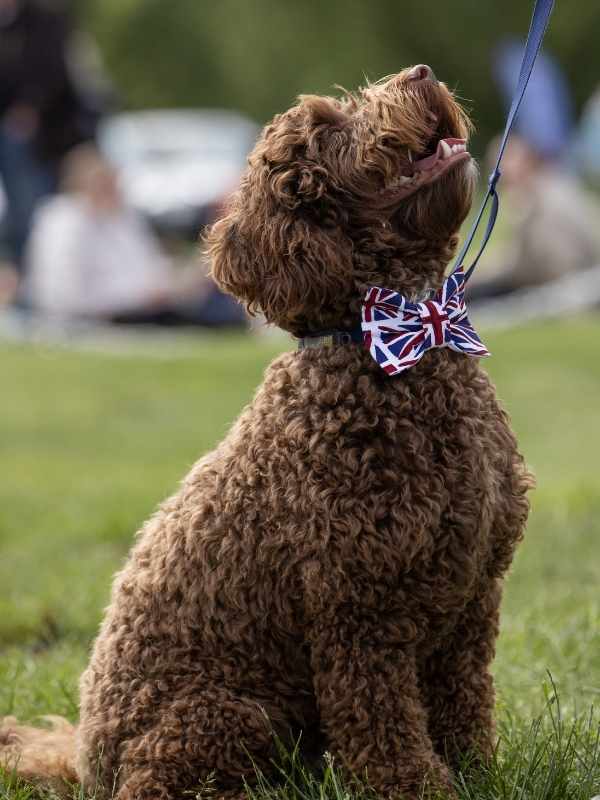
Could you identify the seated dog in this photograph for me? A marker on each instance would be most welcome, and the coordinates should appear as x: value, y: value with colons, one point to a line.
x: 335, y: 566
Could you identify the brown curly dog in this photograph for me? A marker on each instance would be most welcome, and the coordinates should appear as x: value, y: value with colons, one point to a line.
x: 335, y: 566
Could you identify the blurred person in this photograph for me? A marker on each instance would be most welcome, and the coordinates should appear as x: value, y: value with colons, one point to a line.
x: 586, y: 149
x: 40, y: 110
x: 8, y: 284
x: 545, y: 120
x: 553, y: 218
x: 553, y: 230
x: 91, y: 256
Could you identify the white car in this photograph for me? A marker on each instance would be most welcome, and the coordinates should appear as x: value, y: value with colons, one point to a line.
x: 176, y: 166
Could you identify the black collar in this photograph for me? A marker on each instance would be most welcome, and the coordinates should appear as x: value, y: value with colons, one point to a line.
x: 330, y: 339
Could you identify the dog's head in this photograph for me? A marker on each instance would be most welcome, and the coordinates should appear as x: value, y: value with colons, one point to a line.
x: 341, y: 193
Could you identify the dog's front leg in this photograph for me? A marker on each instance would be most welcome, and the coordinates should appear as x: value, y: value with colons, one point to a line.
x: 370, y: 704
x: 458, y: 685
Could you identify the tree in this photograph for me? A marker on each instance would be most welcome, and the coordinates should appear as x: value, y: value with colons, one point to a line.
x: 257, y: 55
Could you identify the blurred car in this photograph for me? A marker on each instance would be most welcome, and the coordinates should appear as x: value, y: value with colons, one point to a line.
x: 177, y: 166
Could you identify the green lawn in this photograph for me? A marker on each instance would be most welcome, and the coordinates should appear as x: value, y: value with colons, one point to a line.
x: 90, y: 443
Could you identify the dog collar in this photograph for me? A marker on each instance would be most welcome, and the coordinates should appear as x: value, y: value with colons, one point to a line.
x: 330, y: 339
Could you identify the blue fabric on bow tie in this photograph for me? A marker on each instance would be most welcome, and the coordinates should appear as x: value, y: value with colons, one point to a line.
x: 398, y: 333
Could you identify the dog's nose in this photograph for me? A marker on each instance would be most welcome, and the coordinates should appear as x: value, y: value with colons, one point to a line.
x: 422, y: 72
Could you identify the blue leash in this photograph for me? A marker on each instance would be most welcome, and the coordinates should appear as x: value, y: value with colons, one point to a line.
x: 537, y: 29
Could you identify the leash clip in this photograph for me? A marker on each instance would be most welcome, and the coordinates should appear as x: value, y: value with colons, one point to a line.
x: 493, y: 180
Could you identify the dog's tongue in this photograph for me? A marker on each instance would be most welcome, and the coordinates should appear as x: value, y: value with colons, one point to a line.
x: 446, y: 149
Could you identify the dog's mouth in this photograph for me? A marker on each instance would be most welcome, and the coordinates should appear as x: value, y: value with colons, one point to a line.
x: 447, y: 153
x: 438, y: 159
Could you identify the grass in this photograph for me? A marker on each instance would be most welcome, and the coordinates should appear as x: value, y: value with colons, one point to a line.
x: 90, y: 443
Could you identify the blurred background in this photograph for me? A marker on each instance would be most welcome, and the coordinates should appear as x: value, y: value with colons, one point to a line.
x: 124, y: 125
x: 124, y: 128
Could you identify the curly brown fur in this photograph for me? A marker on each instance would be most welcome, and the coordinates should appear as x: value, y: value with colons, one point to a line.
x: 335, y: 565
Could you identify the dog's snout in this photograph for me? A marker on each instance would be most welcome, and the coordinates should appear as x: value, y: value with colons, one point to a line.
x: 422, y: 72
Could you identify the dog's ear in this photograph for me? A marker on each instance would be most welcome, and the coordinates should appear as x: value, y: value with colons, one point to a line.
x: 281, y: 248
x: 282, y: 265
x: 301, y: 151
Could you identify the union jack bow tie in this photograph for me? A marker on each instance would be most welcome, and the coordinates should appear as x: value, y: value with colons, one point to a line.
x: 398, y: 333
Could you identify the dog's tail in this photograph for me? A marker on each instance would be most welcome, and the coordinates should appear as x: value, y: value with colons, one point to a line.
x: 43, y: 756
